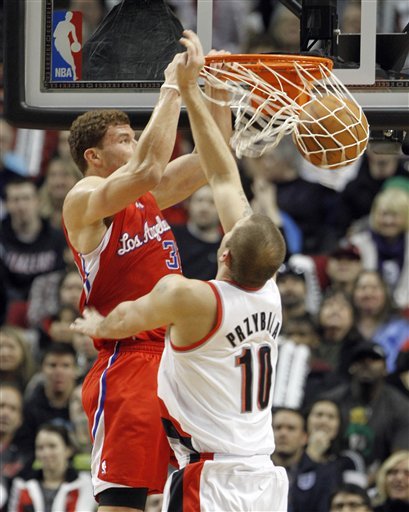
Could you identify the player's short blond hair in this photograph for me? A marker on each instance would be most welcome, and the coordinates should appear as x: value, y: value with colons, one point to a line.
x: 257, y: 250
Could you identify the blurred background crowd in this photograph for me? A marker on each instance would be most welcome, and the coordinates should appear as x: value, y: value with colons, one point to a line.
x: 341, y: 402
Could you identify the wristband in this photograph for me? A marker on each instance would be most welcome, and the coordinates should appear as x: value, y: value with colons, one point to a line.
x: 170, y: 86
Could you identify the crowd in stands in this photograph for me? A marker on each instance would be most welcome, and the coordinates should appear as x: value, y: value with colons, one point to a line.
x: 341, y: 403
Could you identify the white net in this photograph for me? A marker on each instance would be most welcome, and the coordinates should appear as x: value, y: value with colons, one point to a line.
x: 270, y: 102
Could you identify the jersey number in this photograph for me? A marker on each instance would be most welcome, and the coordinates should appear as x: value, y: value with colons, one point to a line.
x: 173, y: 262
x: 245, y: 360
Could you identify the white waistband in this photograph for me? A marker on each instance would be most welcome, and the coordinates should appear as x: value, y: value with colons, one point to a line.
x: 227, y: 457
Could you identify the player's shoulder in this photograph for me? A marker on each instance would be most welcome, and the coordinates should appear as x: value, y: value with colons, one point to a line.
x: 182, y: 289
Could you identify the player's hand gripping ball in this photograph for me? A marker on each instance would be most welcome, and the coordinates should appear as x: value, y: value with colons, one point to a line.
x: 332, y: 132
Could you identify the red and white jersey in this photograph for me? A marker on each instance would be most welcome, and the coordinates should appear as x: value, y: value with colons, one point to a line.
x: 216, y: 394
x: 137, y: 250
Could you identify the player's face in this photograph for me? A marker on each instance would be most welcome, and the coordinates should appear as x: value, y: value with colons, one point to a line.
x: 397, y: 481
x: 117, y: 147
x: 324, y: 417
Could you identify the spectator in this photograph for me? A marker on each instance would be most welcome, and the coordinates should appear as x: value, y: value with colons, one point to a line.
x: 371, y: 409
x: 86, y: 352
x: 78, y: 418
x: 12, y: 458
x: 336, y: 324
x: 69, y: 293
x: 392, y: 483
x: 56, y: 486
x: 60, y: 177
x: 325, y: 431
x: 44, y: 296
x: 310, y: 481
x: 199, y: 239
x: 400, y: 377
x: 310, y: 205
x: 284, y: 30
x: 385, y: 245
x: 29, y: 246
x: 265, y: 202
x: 338, y: 270
x: 350, y: 498
x: 293, y: 291
x: 48, y: 401
x: 343, y: 267
x: 356, y: 199
x: 290, y: 439
x: 16, y: 361
x: 376, y: 319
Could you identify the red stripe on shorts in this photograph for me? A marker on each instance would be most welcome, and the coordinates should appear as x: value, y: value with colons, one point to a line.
x: 191, y: 487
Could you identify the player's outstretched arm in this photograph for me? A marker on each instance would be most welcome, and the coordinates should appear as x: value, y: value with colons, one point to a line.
x: 184, y: 175
x: 186, y: 304
x: 95, y: 198
x: 215, y: 156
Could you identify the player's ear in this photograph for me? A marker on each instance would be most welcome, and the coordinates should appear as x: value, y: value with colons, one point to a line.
x: 91, y: 156
x: 225, y: 257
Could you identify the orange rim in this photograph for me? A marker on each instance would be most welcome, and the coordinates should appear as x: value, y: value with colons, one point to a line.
x: 282, y: 63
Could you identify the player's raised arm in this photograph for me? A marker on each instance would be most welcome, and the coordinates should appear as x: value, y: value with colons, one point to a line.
x: 113, y: 181
x: 215, y: 156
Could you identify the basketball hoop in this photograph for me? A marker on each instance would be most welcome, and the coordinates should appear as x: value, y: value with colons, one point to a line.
x: 273, y: 96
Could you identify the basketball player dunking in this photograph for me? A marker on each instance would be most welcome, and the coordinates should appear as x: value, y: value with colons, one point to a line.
x: 123, y: 246
x: 217, y: 372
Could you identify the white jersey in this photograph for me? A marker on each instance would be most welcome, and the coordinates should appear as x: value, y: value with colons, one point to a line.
x: 217, y: 393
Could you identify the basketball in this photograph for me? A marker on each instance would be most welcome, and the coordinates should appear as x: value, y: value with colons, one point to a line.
x: 331, y: 132
x: 75, y: 47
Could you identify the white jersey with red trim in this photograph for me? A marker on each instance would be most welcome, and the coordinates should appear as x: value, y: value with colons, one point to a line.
x: 216, y: 394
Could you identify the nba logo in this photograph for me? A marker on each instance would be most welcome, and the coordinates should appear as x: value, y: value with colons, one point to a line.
x: 66, y: 46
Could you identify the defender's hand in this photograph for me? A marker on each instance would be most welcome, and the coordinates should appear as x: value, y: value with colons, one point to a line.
x: 89, y: 323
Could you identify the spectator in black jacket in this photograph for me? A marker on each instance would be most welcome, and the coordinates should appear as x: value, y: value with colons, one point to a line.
x: 29, y: 246
x: 372, y: 410
x: 49, y: 400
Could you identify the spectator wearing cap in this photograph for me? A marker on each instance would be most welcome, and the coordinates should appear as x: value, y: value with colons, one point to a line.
x: 371, y: 409
x: 376, y: 317
x: 337, y: 270
x: 343, y: 267
x: 293, y: 290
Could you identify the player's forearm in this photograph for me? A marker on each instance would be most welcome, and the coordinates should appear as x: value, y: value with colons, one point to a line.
x: 215, y: 156
x: 120, y: 323
x: 157, y: 141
